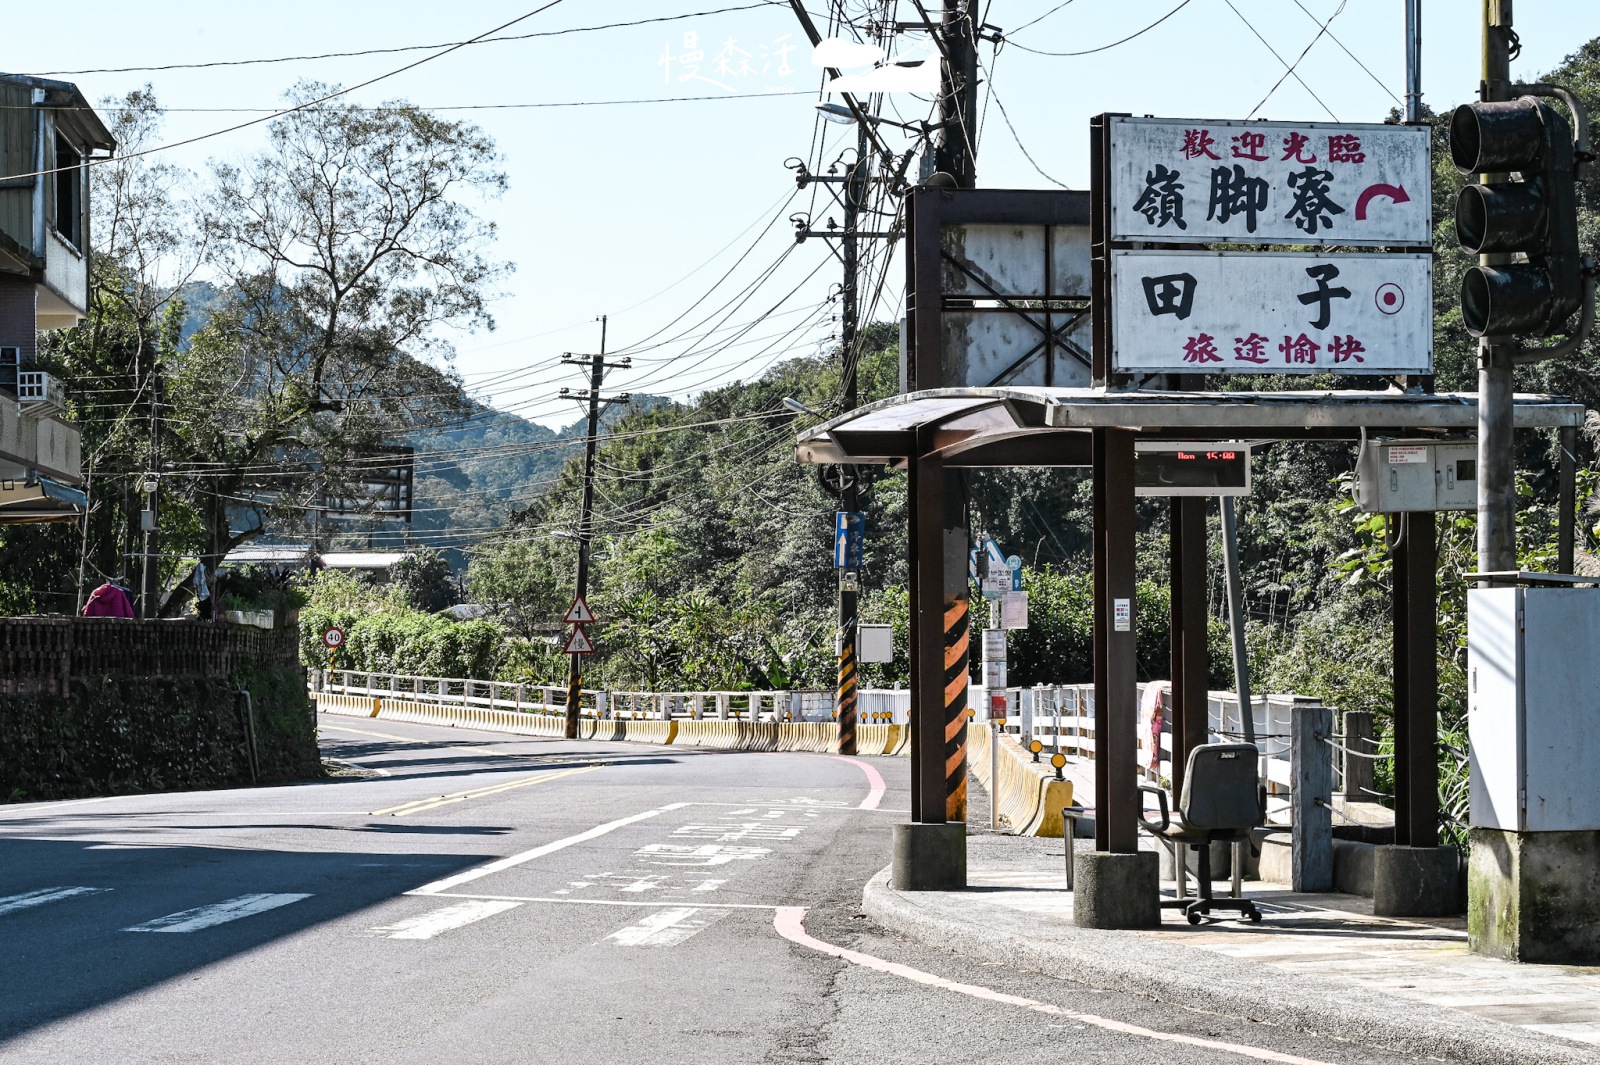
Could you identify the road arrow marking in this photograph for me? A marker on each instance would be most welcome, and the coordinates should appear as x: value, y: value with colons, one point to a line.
x: 1397, y: 193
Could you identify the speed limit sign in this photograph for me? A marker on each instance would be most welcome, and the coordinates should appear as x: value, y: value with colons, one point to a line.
x: 333, y: 637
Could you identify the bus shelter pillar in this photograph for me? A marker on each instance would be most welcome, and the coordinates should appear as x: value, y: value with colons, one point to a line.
x: 1116, y: 885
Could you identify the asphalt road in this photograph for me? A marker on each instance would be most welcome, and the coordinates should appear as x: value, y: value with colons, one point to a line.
x: 500, y: 899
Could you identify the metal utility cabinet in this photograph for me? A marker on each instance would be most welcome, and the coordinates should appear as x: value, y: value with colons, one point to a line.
x: 1400, y: 476
x: 1533, y: 706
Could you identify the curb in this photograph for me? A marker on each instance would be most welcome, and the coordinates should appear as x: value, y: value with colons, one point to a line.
x: 1201, y: 979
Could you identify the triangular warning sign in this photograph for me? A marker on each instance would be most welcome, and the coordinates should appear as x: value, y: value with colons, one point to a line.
x: 579, y: 614
x: 578, y: 643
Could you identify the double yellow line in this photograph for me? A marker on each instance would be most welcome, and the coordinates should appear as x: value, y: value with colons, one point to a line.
x: 419, y: 805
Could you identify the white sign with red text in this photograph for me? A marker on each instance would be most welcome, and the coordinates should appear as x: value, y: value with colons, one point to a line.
x: 1209, y: 180
x: 1271, y: 312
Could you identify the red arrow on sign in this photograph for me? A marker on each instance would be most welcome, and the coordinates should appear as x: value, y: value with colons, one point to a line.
x: 579, y: 613
x: 1397, y: 193
x: 579, y: 643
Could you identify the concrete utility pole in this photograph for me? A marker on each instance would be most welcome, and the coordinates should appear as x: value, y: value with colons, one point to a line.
x: 1497, y: 493
x: 855, y: 195
x: 597, y: 371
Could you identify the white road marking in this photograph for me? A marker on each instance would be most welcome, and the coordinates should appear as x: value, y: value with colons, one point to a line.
x: 440, y: 886
x: 705, y: 854
x: 217, y: 913
x: 731, y: 831
x: 789, y: 922
x: 13, y: 903
x: 709, y: 885
x: 652, y: 903
x: 664, y: 928
x: 435, y: 922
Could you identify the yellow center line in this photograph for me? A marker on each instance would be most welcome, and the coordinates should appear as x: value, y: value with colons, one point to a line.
x: 418, y: 805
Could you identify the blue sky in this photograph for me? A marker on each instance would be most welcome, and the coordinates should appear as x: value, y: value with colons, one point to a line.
x: 611, y: 205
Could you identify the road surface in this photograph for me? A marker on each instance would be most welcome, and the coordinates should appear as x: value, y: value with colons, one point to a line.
x: 480, y: 898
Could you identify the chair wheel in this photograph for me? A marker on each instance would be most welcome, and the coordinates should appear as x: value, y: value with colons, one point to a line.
x: 1254, y: 915
x: 1194, y: 917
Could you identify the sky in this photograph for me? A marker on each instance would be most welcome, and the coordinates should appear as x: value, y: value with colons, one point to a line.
x: 641, y: 211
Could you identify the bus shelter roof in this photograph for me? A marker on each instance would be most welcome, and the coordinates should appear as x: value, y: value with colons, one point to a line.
x: 1037, y: 426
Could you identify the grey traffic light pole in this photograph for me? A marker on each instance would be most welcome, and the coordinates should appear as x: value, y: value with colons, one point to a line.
x: 1497, y: 491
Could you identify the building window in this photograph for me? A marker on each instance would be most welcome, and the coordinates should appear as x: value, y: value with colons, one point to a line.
x: 69, y: 193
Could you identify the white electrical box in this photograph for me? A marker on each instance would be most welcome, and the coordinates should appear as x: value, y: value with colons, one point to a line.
x: 1532, y: 706
x: 1397, y: 476
x: 875, y: 643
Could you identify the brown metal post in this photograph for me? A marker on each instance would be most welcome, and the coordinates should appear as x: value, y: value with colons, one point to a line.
x: 1416, y: 684
x: 1567, y: 438
x: 1190, y: 660
x: 1116, y: 709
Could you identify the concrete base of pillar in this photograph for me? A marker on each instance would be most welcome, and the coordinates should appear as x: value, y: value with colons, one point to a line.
x: 930, y: 857
x: 1116, y: 890
x: 1535, y: 896
x: 1416, y: 881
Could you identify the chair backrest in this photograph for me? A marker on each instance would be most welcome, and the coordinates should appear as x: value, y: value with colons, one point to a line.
x: 1220, y: 787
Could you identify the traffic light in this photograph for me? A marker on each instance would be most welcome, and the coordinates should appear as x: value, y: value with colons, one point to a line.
x: 1536, y: 216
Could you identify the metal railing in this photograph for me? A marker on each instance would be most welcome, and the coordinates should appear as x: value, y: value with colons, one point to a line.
x: 875, y: 706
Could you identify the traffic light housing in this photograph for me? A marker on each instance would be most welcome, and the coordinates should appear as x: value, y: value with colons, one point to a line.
x: 1536, y: 216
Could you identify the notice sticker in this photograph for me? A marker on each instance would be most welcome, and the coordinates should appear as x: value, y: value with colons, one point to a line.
x: 1403, y: 455
x: 1122, y: 615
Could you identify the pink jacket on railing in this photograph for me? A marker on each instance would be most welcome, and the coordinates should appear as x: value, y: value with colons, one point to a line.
x: 108, y: 601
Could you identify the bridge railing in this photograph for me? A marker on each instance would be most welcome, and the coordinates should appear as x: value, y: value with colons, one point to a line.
x: 874, y: 705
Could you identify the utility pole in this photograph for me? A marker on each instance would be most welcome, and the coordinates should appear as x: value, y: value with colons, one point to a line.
x: 150, y: 516
x: 1497, y: 493
x: 855, y: 194
x: 597, y: 370
x: 956, y: 154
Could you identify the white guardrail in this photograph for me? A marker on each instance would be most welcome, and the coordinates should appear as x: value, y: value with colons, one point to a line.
x: 1061, y: 717
x: 874, y: 705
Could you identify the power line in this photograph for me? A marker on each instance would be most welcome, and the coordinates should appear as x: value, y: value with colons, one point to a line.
x: 1105, y: 47
x: 390, y: 108
x: 1286, y: 65
x: 406, y: 48
x: 1353, y: 56
x: 288, y: 110
x: 1041, y: 18
x: 1322, y: 30
x: 1014, y: 136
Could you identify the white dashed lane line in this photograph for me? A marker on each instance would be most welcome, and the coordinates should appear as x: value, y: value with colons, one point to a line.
x: 29, y: 899
x: 437, y: 922
x: 665, y: 928
x: 217, y: 913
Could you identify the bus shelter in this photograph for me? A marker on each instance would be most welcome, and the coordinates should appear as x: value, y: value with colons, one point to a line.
x: 937, y: 433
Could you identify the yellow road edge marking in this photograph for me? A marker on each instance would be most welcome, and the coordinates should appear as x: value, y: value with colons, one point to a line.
x: 418, y: 805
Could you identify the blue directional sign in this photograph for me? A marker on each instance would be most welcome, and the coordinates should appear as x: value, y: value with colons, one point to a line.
x: 849, y: 532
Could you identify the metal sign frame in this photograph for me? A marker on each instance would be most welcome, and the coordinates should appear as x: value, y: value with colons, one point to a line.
x: 1049, y: 316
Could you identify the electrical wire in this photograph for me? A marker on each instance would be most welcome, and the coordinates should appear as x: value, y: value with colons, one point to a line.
x: 102, y: 160
x: 409, y: 47
x: 1379, y: 81
x: 1014, y: 136
x: 1322, y: 30
x: 1286, y: 65
x: 1105, y: 47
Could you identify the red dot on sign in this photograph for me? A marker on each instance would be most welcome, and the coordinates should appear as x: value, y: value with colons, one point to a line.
x: 1388, y: 298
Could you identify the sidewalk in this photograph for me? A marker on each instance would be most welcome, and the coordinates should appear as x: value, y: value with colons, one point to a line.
x: 1316, y: 962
